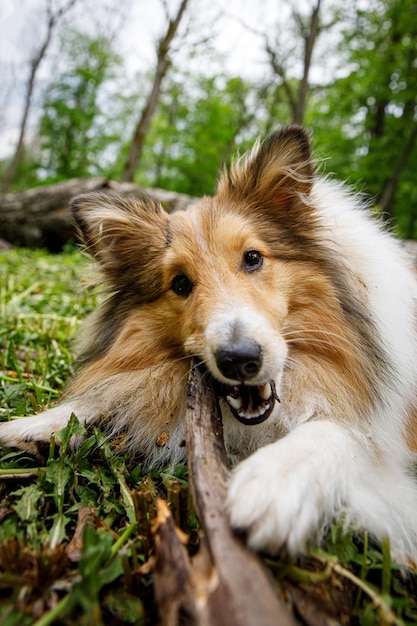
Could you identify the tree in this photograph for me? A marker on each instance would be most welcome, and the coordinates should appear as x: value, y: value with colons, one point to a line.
x: 53, y: 18
x: 391, y: 121
x: 367, y: 119
x: 306, y: 29
x: 75, y: 128
x: 148, y: 111
x: 200, y: 121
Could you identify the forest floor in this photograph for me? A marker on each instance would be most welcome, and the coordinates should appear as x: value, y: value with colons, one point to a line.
x: 77, y: 529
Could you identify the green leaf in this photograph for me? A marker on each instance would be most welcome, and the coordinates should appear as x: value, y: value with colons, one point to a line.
x: 71, y: 429
x: 27, y: 502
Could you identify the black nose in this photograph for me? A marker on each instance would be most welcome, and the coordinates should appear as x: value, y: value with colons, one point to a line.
x: 242, y: 361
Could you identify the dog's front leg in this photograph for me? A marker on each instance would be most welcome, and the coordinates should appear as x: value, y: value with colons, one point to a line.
x: 28, y: 433
x: 284, y: 493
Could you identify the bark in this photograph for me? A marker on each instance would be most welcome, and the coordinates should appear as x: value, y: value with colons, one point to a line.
x: 309, y: 36
x: 40, y: 217
x: 386, y: 202
x: 35, y: 63
x: 148, y: 111
x: 172, y: 574
x: 226, y: 584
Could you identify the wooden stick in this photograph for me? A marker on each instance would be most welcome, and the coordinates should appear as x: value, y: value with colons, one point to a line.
x: 241, y: 592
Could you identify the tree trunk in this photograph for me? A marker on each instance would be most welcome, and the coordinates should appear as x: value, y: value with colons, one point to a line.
x: 297, y: 94
x: 386, y: 202
x: 148, y: 111
x: 309, y: 35
x: 30, y: 86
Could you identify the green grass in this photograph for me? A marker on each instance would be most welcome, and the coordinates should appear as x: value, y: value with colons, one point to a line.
x: 76, y: 541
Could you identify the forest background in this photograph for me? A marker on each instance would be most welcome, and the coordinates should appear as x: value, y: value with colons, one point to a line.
x: 163, y: 92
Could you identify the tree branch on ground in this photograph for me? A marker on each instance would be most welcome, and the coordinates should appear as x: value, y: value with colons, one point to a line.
x: 40, y: 217
x: 225, y: 584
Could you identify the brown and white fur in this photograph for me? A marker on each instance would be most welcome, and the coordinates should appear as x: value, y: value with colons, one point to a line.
x: 304, y: 313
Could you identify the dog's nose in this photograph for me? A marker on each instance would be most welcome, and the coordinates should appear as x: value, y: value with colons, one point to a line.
x: 241, y: 361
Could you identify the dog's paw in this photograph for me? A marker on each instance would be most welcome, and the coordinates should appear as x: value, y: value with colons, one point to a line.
x: 33, y: 433
x: 283, y: 494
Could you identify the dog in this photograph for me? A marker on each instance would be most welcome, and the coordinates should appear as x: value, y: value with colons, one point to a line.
x: 303, y: 311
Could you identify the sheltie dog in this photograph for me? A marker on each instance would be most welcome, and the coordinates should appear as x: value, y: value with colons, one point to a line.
x: 303, y: 311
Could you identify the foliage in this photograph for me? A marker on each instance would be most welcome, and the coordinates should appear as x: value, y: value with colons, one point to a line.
x: 359, y: 96
x: 200, y: 122
x: 75, y: 126
x: 366, y: 120
x: 76, y: 542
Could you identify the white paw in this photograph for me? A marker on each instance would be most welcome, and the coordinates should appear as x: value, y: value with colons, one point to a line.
x: 27, y: 432
x: 282, y: 494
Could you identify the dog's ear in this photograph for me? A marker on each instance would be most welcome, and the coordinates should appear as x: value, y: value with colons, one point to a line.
x: 126, y: 236
x: 276, y: 174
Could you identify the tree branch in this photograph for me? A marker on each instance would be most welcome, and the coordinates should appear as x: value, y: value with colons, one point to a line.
x: 144, y: 122
x: 241, y: 592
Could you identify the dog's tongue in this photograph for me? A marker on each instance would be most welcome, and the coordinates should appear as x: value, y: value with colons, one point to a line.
x: 251, y: 404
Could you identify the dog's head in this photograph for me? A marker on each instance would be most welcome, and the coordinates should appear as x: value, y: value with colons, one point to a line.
x: 230, y: 280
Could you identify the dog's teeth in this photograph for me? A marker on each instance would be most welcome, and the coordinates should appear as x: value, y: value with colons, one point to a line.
x: 265, y: 391
x: 235, y: 403
x: 250, y: 416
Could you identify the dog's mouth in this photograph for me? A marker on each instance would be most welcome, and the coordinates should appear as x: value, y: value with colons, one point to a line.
x: 250, y: 404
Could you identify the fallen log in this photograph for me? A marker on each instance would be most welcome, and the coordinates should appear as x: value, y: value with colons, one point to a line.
x: 225, y: 584
x: 40, y: 217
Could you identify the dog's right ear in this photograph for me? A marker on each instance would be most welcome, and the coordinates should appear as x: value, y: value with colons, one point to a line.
x: 104, y: 220
x: 125, y: 236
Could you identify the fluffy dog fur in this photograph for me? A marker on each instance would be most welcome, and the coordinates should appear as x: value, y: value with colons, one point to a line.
x: 302, y: 310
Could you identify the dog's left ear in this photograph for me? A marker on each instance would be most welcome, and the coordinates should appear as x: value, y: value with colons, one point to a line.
x: 276, y: 173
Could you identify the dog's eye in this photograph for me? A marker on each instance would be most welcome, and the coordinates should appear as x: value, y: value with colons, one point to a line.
x: 181, y: 285
x: 252, y: 260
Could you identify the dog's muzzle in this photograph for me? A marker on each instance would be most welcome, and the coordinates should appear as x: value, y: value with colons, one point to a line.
x: 242, y: 361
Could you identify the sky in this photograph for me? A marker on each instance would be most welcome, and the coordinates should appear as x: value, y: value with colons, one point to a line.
x: 136, y: 24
